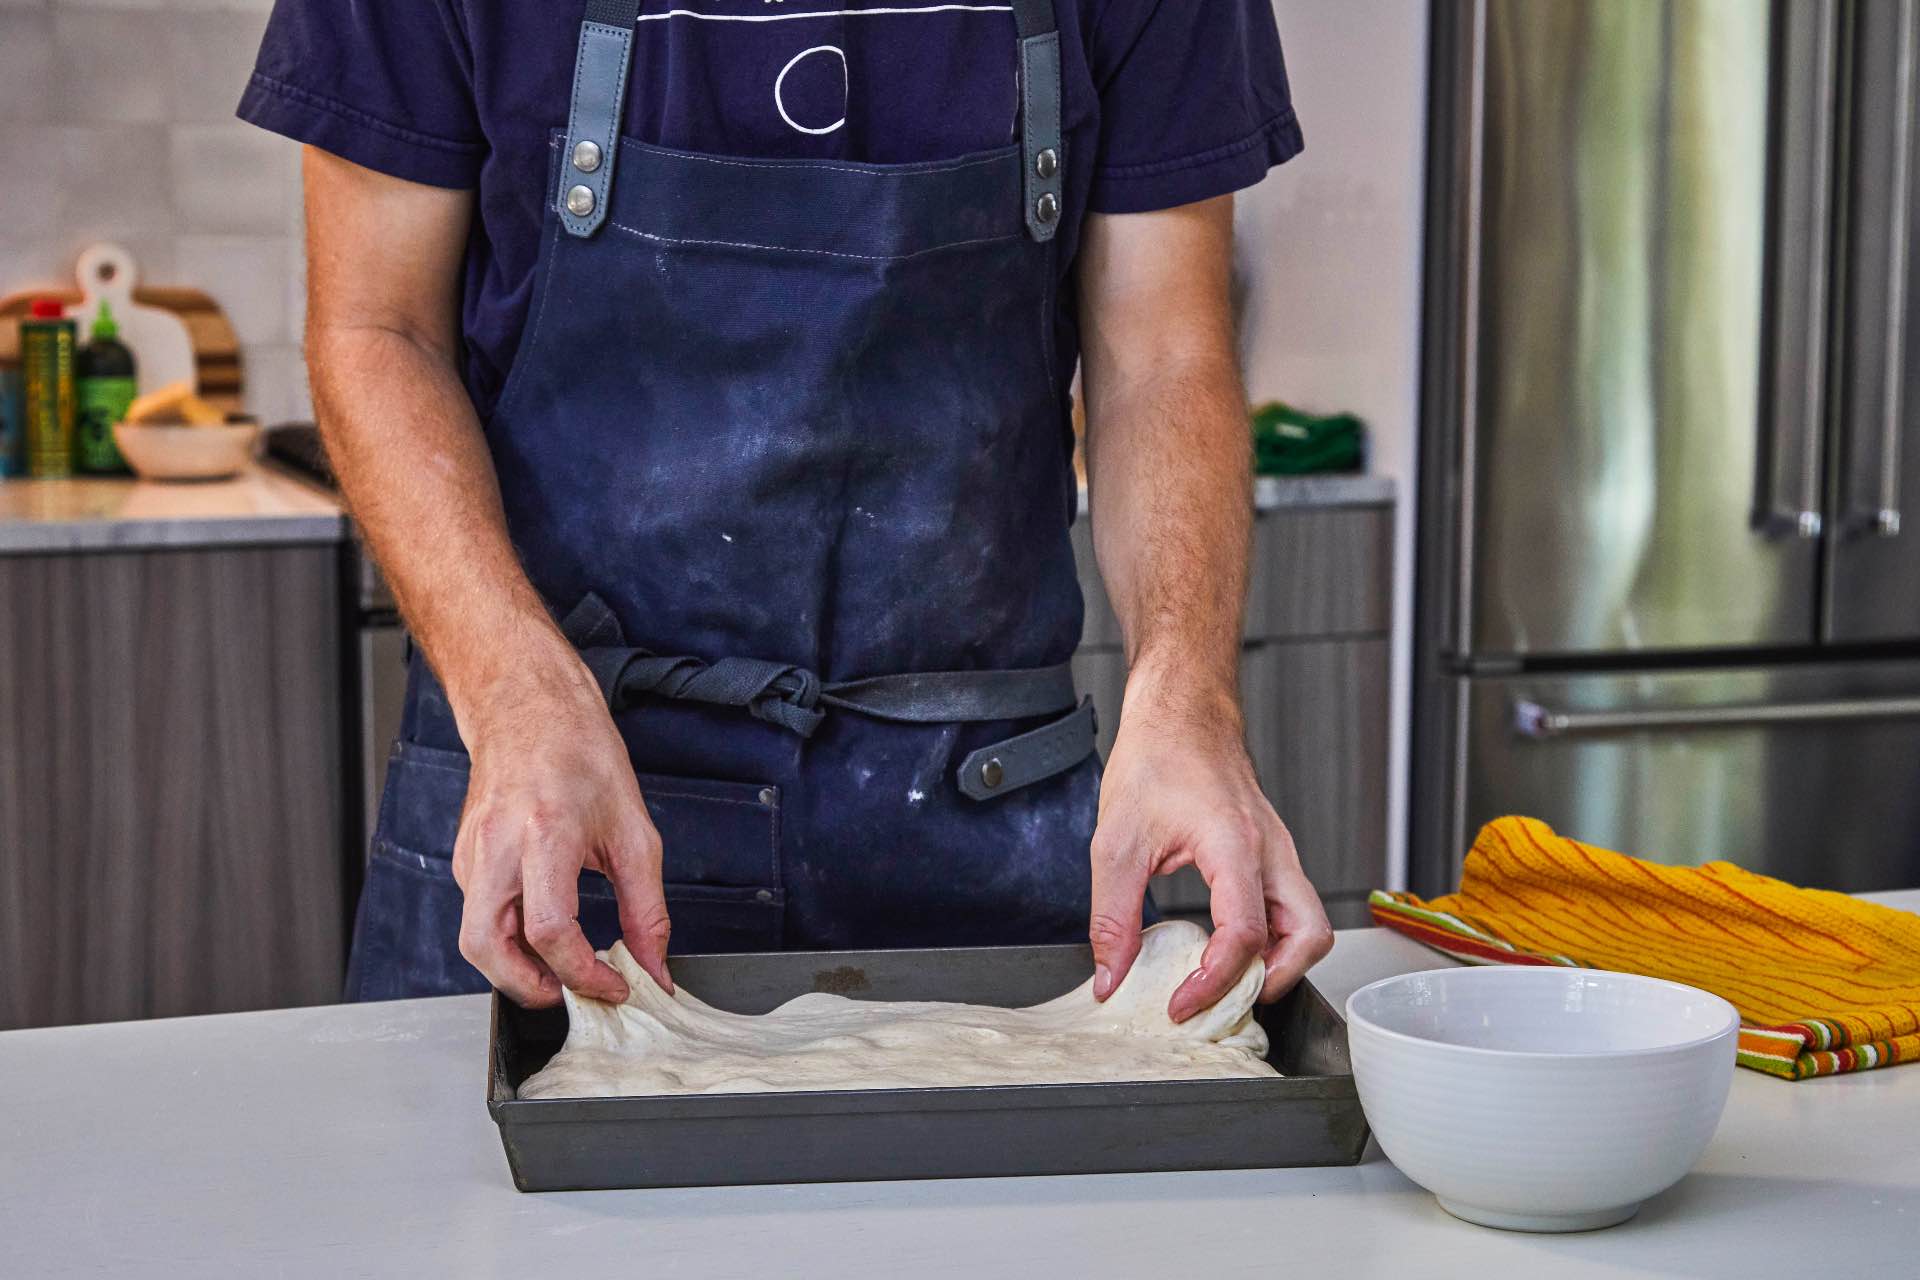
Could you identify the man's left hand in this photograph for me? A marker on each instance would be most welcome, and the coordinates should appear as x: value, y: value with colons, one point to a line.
x: 1179, y: 790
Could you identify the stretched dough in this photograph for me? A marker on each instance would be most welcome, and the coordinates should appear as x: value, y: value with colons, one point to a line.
x: 654, y: 1043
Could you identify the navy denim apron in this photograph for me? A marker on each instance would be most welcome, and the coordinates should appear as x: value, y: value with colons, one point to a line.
x: 779, y: 431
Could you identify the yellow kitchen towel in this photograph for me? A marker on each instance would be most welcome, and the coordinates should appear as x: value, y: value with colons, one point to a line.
x: 1824, y: 983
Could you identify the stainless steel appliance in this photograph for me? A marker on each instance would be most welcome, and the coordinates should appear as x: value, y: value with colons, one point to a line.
x: 1666, y: 600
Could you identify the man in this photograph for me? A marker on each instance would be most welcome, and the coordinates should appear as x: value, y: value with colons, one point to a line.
x: 699, y: 376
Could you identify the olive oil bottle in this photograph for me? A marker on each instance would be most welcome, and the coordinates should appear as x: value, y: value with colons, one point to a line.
x: 46, y: 373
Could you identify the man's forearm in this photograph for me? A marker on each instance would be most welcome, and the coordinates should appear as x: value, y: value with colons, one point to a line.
x: 1170, y: 468
x: 414, y: 467
x: 551, y: 792
x: 382, y: 294
x: 1170, y: 460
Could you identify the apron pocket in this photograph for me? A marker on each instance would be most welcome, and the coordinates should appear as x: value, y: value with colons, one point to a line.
x: 406, y: 935
x: 707, y: 919
x: 721, y: 868
x: 420, y: 807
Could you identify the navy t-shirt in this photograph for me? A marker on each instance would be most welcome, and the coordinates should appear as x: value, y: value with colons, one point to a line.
x: 1165, y: 102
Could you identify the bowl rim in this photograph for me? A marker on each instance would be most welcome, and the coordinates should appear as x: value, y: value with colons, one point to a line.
x: 1732, y: 1029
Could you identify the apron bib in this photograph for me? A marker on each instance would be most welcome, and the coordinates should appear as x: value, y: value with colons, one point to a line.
x: 784, y: 447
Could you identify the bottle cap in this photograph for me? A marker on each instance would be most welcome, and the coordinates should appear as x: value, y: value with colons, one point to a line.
x: 48, y: 309
x: 104, y: 325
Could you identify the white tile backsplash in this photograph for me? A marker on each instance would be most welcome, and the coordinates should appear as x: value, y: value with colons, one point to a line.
x: 31, y: 180
x: 122, y: 189
x: 210, y: 56
x: 246, y: 275
x: 26, y: 65
x: 116, y: 123
x: 28, y: 264
x: 276, y: 384
x: 231, y: 177
x: 109, y: 69
x: 295, y: 297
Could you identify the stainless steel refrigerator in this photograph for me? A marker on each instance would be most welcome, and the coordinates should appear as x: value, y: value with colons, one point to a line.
x: 1667, y: 600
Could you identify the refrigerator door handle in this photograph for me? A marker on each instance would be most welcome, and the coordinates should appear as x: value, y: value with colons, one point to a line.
x: 1877, y: 401
x: 1787, y: 500
x: 1532, y: 720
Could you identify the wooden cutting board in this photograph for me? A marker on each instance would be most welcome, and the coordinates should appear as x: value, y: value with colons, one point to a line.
x: 216, y: 351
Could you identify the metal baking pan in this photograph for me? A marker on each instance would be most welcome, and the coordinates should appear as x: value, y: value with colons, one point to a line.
x: 1308, y: 1116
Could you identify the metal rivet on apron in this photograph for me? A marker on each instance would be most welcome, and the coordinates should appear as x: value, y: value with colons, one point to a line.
x: 1046, y: 208
x: 766, y: 796
x: 580, y: 201
x: 765, y: 895
x: 992, y: 773
x: 1047, y: 163
x: 586, y: 155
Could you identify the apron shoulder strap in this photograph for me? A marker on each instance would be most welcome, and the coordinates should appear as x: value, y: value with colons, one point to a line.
x: 1040, y: 123
x: 593, y: 116
x: 600, y: 94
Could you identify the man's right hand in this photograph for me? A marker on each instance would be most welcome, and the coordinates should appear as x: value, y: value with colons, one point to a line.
x: 551, y: 792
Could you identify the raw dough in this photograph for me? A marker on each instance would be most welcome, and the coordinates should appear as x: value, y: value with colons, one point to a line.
x: 660, y: 1044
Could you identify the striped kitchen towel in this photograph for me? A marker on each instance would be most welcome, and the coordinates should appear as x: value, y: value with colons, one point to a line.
x: 1824, y: 983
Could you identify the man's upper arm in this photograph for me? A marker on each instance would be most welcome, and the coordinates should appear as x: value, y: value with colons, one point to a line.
x: 383, y: 253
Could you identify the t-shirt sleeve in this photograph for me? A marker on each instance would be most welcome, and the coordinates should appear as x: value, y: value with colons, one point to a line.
x: 1193, y: 101
x: 386, y: 84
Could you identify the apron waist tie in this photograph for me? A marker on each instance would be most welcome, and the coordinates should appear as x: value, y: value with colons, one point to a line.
x: 794, y: 698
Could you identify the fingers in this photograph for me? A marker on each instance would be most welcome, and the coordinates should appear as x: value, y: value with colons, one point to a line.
x: 491, y: 944
x: 490, y: 926
x: 633, y: 865
x: 1239, y: 932
x: 1299, y: 923
x: 1119, y: 891
x: 550, y: 891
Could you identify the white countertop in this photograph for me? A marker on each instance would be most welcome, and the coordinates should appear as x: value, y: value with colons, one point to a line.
x: 260, y: 507
x: 354, y: 1141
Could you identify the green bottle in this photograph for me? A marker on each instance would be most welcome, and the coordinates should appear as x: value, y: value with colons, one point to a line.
x: 104, y: 388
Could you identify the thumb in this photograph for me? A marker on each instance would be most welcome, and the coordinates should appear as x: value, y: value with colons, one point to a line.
x: 1119, y: 890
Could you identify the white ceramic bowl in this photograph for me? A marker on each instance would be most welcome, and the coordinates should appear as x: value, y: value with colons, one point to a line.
x: 1541, y: 1099
x: 161, y: 451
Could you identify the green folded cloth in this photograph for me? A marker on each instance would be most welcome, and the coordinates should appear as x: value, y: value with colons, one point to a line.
x: 1287, y: 442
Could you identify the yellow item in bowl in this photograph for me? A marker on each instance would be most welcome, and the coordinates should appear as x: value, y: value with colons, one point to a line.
x: 174, y: 402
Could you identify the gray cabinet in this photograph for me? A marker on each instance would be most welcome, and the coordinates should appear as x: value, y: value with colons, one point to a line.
x: 170, y: 800
x: 1314, y: 684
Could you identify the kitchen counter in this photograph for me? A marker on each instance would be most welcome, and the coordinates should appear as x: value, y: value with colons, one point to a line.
x: 1273, y: 493
x: 354, y: 1141
x: 260, y: 507
x: 1335, y: 489
x: 269, y: 507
